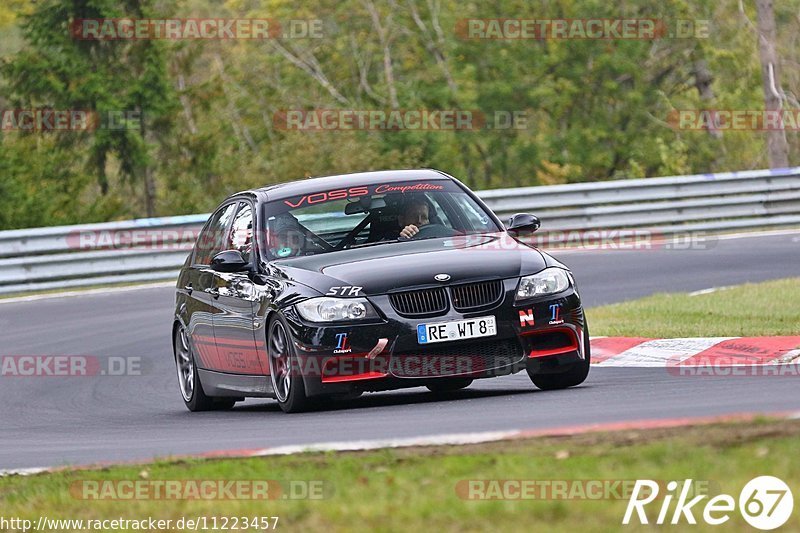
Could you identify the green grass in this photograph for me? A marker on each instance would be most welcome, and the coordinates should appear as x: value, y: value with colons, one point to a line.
x: 754, y: 309
x: 415, y: 490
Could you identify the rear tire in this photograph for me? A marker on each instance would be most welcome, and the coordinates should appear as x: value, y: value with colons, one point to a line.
x: 284, y: 370
x: 574, y: 375
x: 191, y: 388
x: 449, y: 385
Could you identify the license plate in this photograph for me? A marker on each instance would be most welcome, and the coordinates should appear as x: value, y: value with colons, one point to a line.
x: 484, y: 326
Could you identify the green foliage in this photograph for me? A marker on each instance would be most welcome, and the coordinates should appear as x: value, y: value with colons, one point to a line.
x: 594, y: 109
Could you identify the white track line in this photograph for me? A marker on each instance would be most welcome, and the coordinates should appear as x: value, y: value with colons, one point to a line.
x: 767, y: 233
x: 453, y: 439
x: 23, y: 472
x: 710, y: 290
x: 99, y: 290
x: 661, y: 352
x: 788, y: 357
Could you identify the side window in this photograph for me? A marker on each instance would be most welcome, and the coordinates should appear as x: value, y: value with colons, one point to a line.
x: 212, y: 237
x: 241, y: 235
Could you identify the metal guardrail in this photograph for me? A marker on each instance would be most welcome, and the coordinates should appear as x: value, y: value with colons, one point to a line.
x: 96, y: 254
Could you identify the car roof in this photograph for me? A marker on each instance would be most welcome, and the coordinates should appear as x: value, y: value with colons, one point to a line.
x: 317, y: 184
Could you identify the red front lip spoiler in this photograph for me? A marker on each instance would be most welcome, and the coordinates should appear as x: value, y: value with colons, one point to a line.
x: 354, y: 377
x: 554, y: 351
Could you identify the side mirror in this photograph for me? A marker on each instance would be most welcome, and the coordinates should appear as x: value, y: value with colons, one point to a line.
x: 229, y: 261
x: 523, y: 223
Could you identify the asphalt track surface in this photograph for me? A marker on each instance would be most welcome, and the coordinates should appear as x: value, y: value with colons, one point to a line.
x: 52, y: 421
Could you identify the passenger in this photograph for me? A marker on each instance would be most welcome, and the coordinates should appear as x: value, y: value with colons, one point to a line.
x: 286, y: 238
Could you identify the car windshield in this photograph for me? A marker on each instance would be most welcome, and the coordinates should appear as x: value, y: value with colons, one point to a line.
x: 371, y: 215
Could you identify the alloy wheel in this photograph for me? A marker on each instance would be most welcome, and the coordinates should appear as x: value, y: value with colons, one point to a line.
x: 185, y: 364
x: 280, y: 361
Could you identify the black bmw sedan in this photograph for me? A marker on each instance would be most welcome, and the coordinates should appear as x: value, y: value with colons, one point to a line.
x: 328, y: 287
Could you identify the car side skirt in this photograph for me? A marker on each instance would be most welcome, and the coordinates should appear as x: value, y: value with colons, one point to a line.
x: 235, y: 385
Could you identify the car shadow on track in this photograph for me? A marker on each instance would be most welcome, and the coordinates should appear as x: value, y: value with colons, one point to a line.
x: 399, y: 398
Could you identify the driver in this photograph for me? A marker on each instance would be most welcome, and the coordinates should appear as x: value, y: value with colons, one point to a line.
x: 416, y: 213
x: 286, y: 239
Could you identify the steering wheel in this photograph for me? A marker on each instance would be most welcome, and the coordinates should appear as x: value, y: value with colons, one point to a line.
x: 432, y: 231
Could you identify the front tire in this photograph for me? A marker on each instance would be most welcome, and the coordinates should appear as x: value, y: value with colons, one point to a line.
x: 574, y: 375
x: 192, y: 392
x: 284, y: 370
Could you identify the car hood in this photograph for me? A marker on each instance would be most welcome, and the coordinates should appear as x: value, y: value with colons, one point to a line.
x: 402, y: 265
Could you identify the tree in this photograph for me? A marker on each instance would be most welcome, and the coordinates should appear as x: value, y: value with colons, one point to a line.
x: 111, y: 78
x: 777, y: 146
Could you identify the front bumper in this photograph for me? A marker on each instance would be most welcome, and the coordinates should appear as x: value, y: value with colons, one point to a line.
x: 544, y: 334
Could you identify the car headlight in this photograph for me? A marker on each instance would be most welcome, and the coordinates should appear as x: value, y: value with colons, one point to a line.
x: 336, y: 309
x: 548, y: 281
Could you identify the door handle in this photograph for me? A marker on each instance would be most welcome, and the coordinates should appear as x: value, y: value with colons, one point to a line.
x: 188, y: 288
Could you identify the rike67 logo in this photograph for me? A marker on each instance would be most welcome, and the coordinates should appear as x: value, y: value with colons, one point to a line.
x: 765, y: 502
